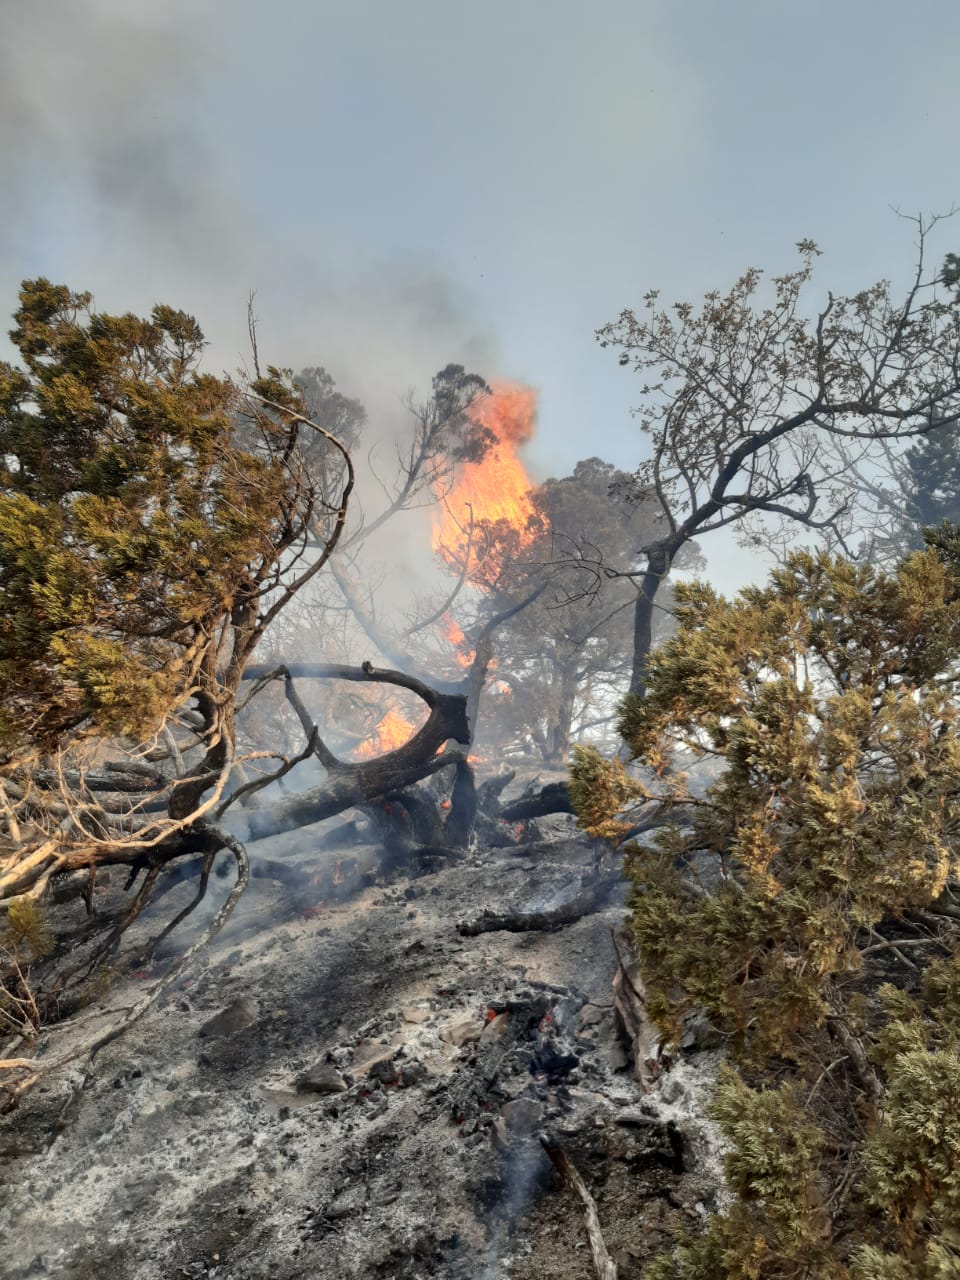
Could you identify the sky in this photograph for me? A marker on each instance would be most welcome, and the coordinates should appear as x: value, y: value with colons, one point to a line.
x: 406, y: 185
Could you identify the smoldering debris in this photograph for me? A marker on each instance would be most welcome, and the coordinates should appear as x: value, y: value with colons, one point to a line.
x: 361, y: 1092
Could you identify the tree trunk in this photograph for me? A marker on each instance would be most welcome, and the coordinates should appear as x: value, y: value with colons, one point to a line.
x: 653, y: 579
x: 558, y: 733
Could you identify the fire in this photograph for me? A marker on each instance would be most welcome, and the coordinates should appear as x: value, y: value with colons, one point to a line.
x: 392, y: 732
x: 458, y: 641
x: 496, y: 489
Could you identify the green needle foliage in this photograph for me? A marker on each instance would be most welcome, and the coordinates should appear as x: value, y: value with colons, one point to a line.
x: 141, y: 509
x: 808, y: 906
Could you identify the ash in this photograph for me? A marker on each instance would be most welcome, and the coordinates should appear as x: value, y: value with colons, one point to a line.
x: 352, y: 1089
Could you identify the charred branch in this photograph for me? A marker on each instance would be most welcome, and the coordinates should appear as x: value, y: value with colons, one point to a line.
x: 591, y: 897
x: 604, y: 1265
x: 38, y: 1068
x: 350, y: 784
x: 553, y: 798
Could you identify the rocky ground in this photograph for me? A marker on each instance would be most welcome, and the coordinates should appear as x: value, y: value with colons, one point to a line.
x: 354, y: 1089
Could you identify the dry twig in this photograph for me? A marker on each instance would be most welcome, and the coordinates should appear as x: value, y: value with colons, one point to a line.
x: 605, y: 1266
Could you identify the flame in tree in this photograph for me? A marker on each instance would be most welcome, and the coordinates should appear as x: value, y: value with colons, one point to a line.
x: 491, y: 496
x: 392, y: 732
x: 463, y: 653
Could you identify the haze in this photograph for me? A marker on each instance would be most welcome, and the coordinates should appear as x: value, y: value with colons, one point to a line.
x: 406, y: 185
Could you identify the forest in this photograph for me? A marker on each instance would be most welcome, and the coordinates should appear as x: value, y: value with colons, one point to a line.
x: 236, y: 607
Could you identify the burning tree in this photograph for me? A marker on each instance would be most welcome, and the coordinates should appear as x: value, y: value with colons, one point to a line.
x: 155, y: 522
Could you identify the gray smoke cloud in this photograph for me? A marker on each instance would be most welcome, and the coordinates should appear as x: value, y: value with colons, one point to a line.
x: 135, y: 153
x: 115, y: 180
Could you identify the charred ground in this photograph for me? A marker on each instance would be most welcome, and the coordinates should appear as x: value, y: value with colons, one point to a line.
x: 354, y: 1088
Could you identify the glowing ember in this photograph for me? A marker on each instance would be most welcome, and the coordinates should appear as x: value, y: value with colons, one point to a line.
x: 495, y: 491
x: 392, y: 732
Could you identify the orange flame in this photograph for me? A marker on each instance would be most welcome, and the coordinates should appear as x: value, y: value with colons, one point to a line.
x: 458, y: 641
x: 494, y: 490
x: 392, y: 732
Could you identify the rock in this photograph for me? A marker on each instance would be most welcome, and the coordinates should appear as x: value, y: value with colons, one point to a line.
x: 523, y: 1115
x: 235, y: 1017
x: 672, y: 1090
x: 699, y: 1033
x: 415, y: 1016
x: 322, y: 1077
x: 368, y: 1054
x: 617, y: 1057
x: 590, y: 1015
x: 412, y: 1073
x: 463, y: 1033
x: 194, y: 1104
x: 385, y: 1070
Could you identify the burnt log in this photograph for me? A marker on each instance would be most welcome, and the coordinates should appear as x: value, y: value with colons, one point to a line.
x: 553, y: 798
x: 490, y: 791
x: 357, y: 784
x: 462, y: 814
x: 592, y: 897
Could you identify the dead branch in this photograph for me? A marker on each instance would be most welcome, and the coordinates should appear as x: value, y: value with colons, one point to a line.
x: 257, y: 784
x: 39, y: 1069
x: 489, y: 792
x: 605, y: 1267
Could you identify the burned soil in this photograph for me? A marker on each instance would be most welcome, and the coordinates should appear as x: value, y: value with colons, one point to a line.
x: 355, y: 1089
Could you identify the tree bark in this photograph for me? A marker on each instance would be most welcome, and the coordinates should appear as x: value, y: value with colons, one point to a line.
x: 553, y: 798
x: 558, y: 734
x: 656, y: 572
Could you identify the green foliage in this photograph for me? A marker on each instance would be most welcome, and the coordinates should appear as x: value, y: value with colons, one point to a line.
x: 779, y: 1219
x: 136, y: 508
x: 599, y: 790
x: 827, y: 700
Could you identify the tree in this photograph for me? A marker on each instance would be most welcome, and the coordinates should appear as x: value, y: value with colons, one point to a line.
x: 758, y: 412
x: 928, y: 478
x: 808, y: 903
x: 565, y: 660
x: 155, y: 522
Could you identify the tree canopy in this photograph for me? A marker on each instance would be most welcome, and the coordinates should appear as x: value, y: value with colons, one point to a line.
x: 758, y: 409
x: 807, y: 902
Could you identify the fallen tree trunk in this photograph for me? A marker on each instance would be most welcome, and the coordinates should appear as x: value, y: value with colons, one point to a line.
x: 352, y: 784
x: 590, y: 898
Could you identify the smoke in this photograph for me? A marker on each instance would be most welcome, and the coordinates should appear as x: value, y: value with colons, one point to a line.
x: 133, y: 166
x: 97, y: 139
x: 141, y: 161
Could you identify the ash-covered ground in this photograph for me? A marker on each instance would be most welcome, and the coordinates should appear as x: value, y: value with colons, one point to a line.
x: 354, y: 1089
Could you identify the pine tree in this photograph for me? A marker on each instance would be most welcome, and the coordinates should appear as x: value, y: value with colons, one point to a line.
x: 809, y: 906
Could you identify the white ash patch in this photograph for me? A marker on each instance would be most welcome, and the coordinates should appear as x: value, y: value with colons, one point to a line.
x: 183, y: 1154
